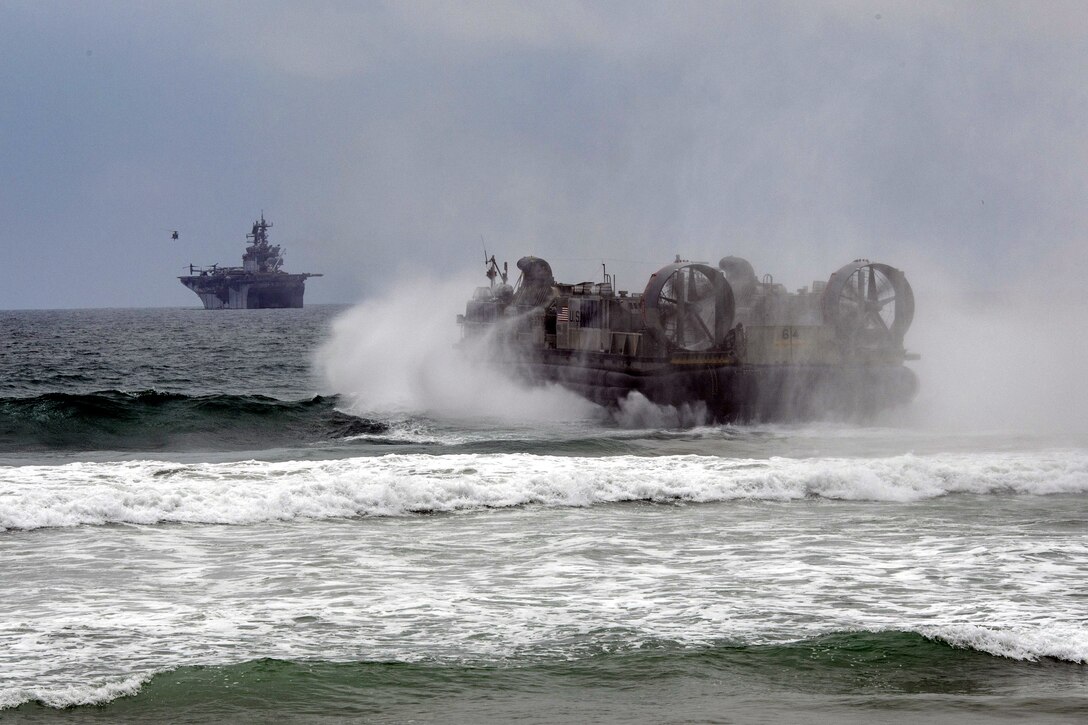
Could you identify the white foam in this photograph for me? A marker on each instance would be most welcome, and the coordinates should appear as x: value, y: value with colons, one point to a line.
x: 149, y: 492
x: 94, y: 606
x: 60, y: 696
x: 1063, y: 642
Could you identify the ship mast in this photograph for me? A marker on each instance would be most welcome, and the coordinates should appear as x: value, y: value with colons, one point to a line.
x: 261, y: 256
x: 259, y: 235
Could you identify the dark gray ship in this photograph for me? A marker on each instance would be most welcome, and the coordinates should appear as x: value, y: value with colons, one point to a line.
x: 742, y: 345
x: 258, y: 284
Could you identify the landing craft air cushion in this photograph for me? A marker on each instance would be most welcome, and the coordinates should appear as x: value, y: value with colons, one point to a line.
x: 722, y: 337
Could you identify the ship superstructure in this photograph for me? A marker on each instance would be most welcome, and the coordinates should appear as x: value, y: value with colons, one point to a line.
x: 259, y: 283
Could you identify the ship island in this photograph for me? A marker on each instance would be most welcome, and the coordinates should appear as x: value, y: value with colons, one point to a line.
x: 258, y: 284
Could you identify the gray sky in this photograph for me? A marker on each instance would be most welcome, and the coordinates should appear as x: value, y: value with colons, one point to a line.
x: 384, y: 139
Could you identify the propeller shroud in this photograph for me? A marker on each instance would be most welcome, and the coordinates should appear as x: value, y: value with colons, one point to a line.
x: 688, y: 306
x: 871, y: 305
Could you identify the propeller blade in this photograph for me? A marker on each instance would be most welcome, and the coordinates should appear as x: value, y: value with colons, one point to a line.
x: 706, y: 331
x: 681, y: 307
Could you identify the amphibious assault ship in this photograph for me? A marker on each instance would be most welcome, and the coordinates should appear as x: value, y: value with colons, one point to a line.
x: 258, y: 284
x: 742, y: 345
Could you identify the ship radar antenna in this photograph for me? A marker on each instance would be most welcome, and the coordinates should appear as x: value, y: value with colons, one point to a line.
x: 259, y: 233
x: 493, y: 270
x: 493, y: 266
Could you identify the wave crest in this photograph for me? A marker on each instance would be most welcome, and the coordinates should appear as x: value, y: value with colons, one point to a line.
x: 149, y: 492
x: 152, y: 420
x: 848, y: 662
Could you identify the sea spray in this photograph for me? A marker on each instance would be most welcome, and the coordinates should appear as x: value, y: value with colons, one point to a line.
x: 1005, y: 358
x: 636, y: 411
x: 403, y: 353
x: 400, y: 353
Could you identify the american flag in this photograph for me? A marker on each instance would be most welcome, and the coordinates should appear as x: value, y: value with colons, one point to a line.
x: 564, y: 315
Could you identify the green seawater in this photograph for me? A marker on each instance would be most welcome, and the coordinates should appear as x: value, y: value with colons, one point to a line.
x: 846, y: 677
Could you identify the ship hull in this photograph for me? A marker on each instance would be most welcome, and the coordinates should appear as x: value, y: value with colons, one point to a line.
x: 730, y: 391
x: 248, y: 292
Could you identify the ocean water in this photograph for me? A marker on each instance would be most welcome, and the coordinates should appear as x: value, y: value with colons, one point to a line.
x: 200, y: 520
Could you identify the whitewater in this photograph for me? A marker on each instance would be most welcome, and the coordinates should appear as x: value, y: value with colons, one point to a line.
x: 180, y: 542
x: 246, y: 492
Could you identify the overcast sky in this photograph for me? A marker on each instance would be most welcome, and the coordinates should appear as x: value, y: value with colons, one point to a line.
x: 385, y: 139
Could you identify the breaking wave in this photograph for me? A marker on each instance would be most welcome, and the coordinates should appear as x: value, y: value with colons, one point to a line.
x: 880, y: 662
x: 149, y: 492
x: 152, y: 420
